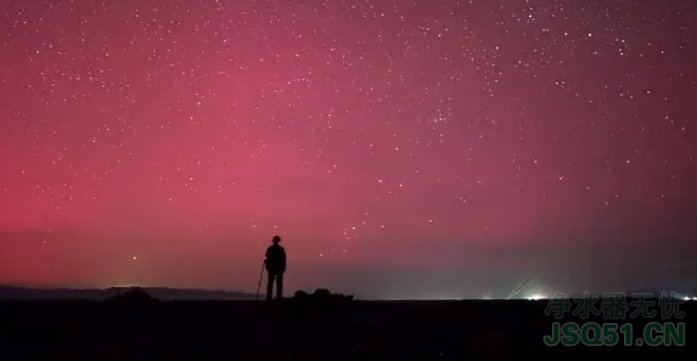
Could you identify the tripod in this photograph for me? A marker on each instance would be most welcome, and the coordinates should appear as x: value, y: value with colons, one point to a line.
x: 261, y: 276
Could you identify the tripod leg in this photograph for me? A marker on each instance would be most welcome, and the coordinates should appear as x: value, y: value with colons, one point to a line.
x: 261, y: 276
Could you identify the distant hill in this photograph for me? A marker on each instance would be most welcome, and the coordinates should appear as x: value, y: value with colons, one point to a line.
x: 655, y: 292
x: 160, y: 293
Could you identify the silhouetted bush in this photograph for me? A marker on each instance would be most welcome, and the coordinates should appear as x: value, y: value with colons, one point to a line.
x: 301, y: 294
x: 321, y: 294
x: 132, y: 295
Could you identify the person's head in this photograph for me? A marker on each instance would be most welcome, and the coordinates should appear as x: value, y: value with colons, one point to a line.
x: 276, y: 239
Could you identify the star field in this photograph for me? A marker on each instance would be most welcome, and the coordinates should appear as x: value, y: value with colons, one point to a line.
x: 160, y: 141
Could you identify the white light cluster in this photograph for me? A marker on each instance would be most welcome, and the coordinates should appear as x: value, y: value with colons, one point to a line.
x: 536, y: 297
x: 689, y: 299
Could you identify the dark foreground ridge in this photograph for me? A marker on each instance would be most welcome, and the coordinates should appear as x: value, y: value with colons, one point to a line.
x: 319, y: 326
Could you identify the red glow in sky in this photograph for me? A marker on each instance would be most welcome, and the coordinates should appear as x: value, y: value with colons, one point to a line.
x: 166, y: 142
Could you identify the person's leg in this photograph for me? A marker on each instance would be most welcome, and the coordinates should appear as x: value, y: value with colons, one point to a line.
x: 269, y: 285
x: 279, y: 286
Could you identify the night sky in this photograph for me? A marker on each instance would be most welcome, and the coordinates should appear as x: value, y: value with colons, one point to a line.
x: 401, y: 148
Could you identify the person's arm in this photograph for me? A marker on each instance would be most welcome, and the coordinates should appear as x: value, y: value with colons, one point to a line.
x: 266, y: 256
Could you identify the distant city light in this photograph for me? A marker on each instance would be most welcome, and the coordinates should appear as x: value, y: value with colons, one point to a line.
x: 536, y: 297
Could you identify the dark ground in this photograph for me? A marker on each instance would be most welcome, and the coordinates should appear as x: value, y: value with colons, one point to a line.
x: 443, y: 330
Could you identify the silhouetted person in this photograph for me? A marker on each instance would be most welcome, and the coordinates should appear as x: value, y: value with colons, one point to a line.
x: 275, y: 264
